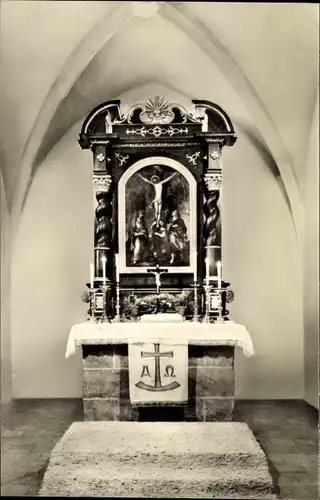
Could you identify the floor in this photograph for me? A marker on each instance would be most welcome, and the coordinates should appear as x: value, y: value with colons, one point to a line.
x: 286, y: 430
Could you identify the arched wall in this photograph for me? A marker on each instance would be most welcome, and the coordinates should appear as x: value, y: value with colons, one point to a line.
x: 5, y: 351
x: 51, y: 266
x: 311, y: 266
x: 183, y: 19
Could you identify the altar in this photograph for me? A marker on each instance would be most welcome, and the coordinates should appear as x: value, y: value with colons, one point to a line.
x: 209, y: 368
x: 158, y: 334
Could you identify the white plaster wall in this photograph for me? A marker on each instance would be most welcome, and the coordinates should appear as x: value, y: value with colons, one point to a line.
x: 5, y: 298
x: 53, y: 252
x: 262, y: 263
x: 311, y: 266
x: 51, y: 266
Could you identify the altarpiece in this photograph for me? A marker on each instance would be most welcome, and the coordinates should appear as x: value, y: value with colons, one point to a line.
x: 157, y: 176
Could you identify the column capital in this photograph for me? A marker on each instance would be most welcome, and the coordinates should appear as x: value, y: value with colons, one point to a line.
x: 102, y: 183
x: 213, y: 180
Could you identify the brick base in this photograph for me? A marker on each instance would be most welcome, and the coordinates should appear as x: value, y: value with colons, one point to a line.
x: 211, y: 384
x: 106, y: 384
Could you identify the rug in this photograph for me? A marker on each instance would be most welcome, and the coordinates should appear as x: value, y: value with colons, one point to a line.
x: 159, y: 460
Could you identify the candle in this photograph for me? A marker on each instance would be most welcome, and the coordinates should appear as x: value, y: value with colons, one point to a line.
x: 219, y: 273
x: 207, y: 271
x: 91, y: 275
x: 117, y: 267
x: 104, y: 260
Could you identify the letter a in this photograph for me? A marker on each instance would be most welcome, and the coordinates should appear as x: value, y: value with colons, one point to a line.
x: 145, y: 371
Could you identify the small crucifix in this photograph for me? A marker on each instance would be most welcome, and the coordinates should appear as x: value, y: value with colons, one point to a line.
x: 157, y: 272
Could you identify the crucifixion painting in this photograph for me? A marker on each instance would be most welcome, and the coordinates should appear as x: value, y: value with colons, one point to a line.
x: 157, y: 201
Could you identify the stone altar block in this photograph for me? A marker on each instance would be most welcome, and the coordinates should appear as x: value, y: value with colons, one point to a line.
x: 210, y: 368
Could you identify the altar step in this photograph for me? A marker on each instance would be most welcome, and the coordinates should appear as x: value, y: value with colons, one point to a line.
x: 166, y: 483
x: 159, y: 459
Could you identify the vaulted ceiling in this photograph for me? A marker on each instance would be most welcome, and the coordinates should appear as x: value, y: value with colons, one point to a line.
x: 60, y: 59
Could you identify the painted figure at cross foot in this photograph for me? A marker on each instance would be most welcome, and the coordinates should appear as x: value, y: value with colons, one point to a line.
x: 178, y: 239
x: 138, y: 238
x: 159, y: 240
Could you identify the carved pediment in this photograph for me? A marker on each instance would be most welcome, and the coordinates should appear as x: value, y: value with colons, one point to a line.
x: 157, y: 118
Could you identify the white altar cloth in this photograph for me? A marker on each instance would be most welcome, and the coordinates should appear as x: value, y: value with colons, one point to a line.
x: 210, y: 334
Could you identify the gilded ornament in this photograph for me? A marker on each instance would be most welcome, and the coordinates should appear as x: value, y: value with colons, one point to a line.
x: 122, y: 159
x: 214, y: 155
x: 149, y: 145
x: 193, y: 158
x: 156, y: 110
x: 100, y: 157
x: 99, y: 301
x: 157, y: 131
x: 229, y: 296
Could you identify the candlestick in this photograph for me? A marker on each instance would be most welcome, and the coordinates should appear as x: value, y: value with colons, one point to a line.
x: 104, y: 317
x: 219, y: 273
x: 207, y: 271
x: 92, y: 305
x: 104, y: 260
x: 117, y: 318
x: 91, y: 275
x: 206, y: 318
x: 117, y: 267
x: 220, y: 319
x: 196, y: 305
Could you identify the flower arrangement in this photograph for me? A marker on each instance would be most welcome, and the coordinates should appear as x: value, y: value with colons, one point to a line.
x: 181, y: 299
x: 152, y: 304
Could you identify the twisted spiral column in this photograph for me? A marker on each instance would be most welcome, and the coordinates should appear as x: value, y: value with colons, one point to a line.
x: 212, y: 214
x: 103, y: 225
x: 211, y: 208
x: 103, y: 232
x: 212, y: 236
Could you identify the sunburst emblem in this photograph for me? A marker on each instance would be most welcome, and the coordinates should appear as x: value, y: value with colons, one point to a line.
x: 157, y: 110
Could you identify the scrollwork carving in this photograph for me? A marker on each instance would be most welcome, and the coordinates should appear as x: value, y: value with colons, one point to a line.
x: 193, y: 158
x: 122, y: 159
x: 229, y: 295
x: 156, y: 110
x: 149, y: 145
x: 157, y: 131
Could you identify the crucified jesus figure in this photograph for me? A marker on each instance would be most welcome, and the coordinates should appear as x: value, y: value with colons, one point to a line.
x: 157, y: 273
x: 157, y: 184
